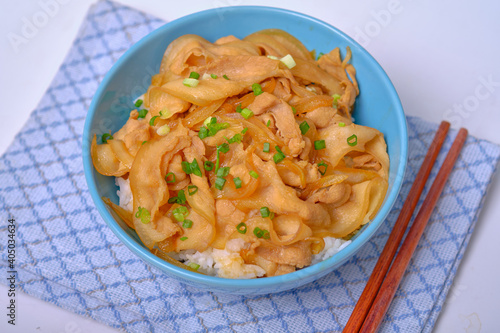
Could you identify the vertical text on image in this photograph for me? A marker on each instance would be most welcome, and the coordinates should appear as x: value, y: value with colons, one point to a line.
x: 11, y: 273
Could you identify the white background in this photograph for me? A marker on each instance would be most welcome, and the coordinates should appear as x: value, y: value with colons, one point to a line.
x: 438, y: 55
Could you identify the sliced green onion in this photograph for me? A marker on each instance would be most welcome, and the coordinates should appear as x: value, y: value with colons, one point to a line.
x: 186, y: 167
x: 213, y: 76
x: 244, y: 130
x: 183, y: 238
x: 319, y: 55
x: 208, y: 165
x: 322, y: 164
x: 235, y: 138
x: 152, y: 121
x: 237, y: 182
x: 143, y: 142
x: 173, y: 178
x: 294, y: 110
x: 165, y: 114
x: 142, y: 113
x: 352, y: 140
x: 268, y: 123
x: 279, y: 156
x: 271, y: 216
x: 257, y: 89
x: 192, y: 189
x: 288, y: 61
x: 319, y: 144
x: 211, y: 127
x: 258, y: 232
x: 336, y: 98
x: 181, y: 197
x: 238, y: 108
x: 190, y: 82
x: 219, y: 183
x: 194, y: 265
x: 225, y: 76
x: 242, y: 228
x: 106, y: 137
x: 265, y: 212
x: 267, y: 147
x: 304, y: 127
x: 208, y: 120
x: 203, y: 133
x: 246, y: 113
x: 223, y: 148
x: 187, y: 224
x: 143, y: 214
x: 266, y: 234
x: 254, y: 174
x: 341, y: 124
x: 273, y: 57
x: 223, y: 172
x: 138, y: 103
x: 195, y: 168
x: 205, y: 76
x: 180, y: 213
x: 194, y: 75
x: 163, y: 130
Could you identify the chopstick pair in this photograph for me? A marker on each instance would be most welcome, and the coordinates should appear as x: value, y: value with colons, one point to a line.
x: 378, y: 293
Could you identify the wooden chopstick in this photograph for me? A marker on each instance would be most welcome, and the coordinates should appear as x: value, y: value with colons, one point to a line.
x: 366, y: 299
x: 395, y: 274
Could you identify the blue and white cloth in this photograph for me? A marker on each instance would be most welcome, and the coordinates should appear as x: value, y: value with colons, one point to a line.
x: 67, y: 255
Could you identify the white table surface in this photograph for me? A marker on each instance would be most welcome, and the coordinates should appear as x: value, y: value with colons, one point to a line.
x: 438, y: 55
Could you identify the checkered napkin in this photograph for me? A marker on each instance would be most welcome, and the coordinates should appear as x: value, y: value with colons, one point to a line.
x: 67, y: 255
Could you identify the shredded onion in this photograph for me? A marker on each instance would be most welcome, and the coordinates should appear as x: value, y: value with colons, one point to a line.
x: 309, y: 104
x: 124, y: 214
x: 321, y: 183
x: 121, y: 152
x: 202, y: 113
x: 105, y: 160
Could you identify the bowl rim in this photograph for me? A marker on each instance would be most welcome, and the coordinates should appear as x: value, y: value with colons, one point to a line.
x: 325, y: 266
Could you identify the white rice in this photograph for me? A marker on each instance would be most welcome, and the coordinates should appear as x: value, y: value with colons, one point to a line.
x: 226, y: 263
x: 124, y: 193
x: 332, y: 246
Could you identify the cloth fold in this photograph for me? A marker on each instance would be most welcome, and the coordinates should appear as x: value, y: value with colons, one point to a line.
x: 67, y: 255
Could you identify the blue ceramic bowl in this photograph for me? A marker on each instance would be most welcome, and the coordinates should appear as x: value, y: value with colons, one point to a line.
x: 377, y: 106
